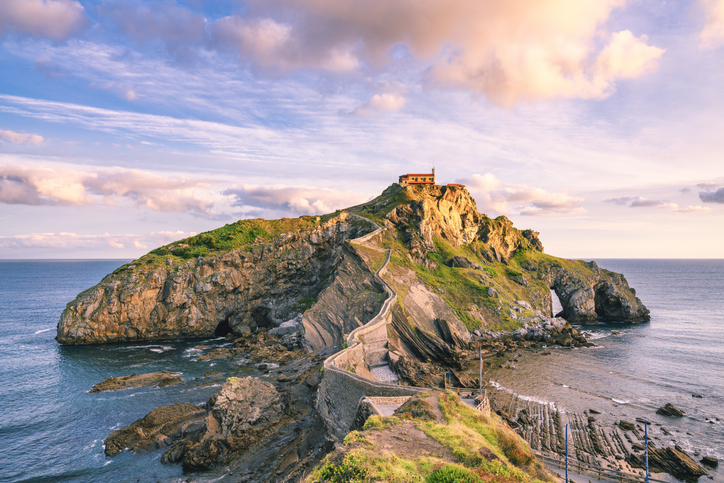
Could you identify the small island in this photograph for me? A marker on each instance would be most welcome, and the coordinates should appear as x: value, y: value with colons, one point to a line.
x: 397, y: 303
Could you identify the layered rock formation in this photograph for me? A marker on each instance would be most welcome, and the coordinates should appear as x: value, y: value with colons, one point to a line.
x: 258, y: 286
x: 591, y: 294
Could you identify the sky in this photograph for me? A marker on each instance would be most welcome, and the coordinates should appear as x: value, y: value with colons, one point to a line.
x: 126, y: 125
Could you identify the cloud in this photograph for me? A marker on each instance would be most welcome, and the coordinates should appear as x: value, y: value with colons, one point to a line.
x: 642, y: 202
x: 381, y: 103
x: 53, y: 19
x: 713, y: 33
x: 509, y: 51
x: 706, y: 186
x: 493, y: 194
x: 65, y: 240
x: 693, y: 209
x: 175, y: 26
x: 712, y: 197
x: 18, y: 138
x: 293, y: 200
x: 115, y: 186
x: 271, y: 46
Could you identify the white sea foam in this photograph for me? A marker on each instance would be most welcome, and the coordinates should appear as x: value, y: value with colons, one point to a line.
x: 525, y: 398
x: 565, y: 385
x: 43, y: 330
x: 617, y: 401
x: 157, y: 350
x: 107, y: 462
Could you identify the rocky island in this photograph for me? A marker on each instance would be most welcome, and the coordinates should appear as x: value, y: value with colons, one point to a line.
x: 396, y: 298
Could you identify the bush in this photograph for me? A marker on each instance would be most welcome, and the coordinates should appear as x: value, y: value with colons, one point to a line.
x: 453, y: 473
x: 513, y: 447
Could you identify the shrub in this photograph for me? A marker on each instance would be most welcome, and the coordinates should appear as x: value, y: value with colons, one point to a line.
x: 513, y: 446
x: 453, y: 473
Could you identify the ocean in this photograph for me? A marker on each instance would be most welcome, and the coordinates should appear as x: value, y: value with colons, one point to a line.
x: 52, y: 430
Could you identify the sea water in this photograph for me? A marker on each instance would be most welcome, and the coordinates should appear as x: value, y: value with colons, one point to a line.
x: 51, y: 429
x: 636, y: 368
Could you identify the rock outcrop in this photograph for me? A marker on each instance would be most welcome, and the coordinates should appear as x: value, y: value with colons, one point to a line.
x: 160, y: 379
x: 261, y: 285
x: 451, y: 213
x: 670, y: 410
x: 158, y: 429
x: 673, y: 461
x: 589, y: 294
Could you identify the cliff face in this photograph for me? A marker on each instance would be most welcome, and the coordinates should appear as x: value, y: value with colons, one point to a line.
x: 449, y: 263
x: 595, y: 294
x: 451, y: 213
x: 238, y: 290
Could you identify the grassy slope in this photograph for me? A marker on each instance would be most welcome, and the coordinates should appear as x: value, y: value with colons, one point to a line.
x: 463, y: 431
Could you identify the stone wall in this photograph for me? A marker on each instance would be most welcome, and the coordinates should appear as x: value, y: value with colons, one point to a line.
x: 341, y: 391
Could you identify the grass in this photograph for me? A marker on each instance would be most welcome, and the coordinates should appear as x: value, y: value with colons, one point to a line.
x: 463, y: 431
x: 374, y: 258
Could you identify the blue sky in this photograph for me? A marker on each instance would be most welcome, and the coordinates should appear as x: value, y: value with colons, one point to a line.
x: 128, y: 124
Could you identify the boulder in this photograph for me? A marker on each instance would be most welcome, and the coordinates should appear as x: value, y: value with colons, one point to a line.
x: 710, y: 461
x: 626, y: 426
x: 462, y: 262
x: 288, y: 327
x: 241, y: 414
x: 670, y: 410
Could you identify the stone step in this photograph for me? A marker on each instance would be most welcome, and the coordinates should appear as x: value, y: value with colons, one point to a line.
x: 376, y: 358
x: 375, y: 346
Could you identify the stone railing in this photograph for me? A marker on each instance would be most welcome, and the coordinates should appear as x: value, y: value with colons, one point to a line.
x: 341, y: 391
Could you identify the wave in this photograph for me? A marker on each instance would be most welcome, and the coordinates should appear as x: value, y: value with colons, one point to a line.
x: 43, y: 330
x: 618, y: 401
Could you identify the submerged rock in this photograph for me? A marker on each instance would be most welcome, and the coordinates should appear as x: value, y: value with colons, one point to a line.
x: 710, y: 461
x: 160, y: 379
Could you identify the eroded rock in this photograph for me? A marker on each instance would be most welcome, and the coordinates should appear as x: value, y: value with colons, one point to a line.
x: 670, y: 410
x: 160, y: 379
x: 158, y: 429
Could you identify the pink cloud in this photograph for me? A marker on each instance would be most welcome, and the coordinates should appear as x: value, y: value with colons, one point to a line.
x: 53, y: 19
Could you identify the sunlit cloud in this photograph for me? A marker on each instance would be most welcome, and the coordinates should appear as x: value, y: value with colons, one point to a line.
x: 293, y: 200
x: 52, y: 19
x: 114, y: 186
x: 65, y: 240
x: 643, y: 202
x: 20, y: 138
x: 381, y: 103
x: 509, y: 51
x: 713, y: 33
x: 493, y: 195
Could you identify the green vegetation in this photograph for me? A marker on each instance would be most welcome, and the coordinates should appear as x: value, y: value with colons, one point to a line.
x: 381, y: 422
x: 453, y: 473
x: 484, y: 450
x: 302, y: 305
x: 374, y: 258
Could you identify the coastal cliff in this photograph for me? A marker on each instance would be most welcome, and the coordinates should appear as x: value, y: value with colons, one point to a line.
x: 435, y: 279
x: 271, y: 273
x: 450, y: 262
